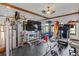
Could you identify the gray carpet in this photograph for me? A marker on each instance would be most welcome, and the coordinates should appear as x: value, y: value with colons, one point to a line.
x: 29, y: 50
x: 38, y: 50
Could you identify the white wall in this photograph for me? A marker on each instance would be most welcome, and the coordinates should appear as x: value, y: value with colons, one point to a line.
x: 63, y: 19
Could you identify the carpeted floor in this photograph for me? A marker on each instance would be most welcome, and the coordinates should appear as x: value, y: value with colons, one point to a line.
x: 32, y: 51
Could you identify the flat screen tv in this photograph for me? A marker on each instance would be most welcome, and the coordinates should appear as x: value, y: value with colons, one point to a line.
x: 30, y: 25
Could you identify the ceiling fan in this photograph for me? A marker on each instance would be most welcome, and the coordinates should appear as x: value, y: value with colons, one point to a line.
x: 48, y: 10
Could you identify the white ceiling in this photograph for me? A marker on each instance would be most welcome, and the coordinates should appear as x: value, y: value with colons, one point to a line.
x: 60, y: 9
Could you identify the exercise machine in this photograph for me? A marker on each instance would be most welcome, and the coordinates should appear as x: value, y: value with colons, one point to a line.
x: 62, y: 39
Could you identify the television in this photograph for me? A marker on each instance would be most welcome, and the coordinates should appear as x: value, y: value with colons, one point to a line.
x: 30, y: 25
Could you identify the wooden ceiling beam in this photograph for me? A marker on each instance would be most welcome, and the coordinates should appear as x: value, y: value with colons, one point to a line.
x: 63, y: 15
x: 21, y: 9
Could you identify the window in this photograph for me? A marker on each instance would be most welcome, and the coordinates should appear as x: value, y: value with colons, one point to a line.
x: 73, y: 29
x: 2, y: 40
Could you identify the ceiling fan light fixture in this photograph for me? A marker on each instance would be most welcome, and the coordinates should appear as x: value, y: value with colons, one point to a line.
x: 48, y: 10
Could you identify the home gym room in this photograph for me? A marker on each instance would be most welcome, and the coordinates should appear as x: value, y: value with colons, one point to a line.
x: 39, y: 29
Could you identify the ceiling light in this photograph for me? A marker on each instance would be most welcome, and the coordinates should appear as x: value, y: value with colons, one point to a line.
x: 49, y: 10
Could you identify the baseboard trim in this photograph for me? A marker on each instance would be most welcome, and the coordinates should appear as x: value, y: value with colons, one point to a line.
x: 74, y: 39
